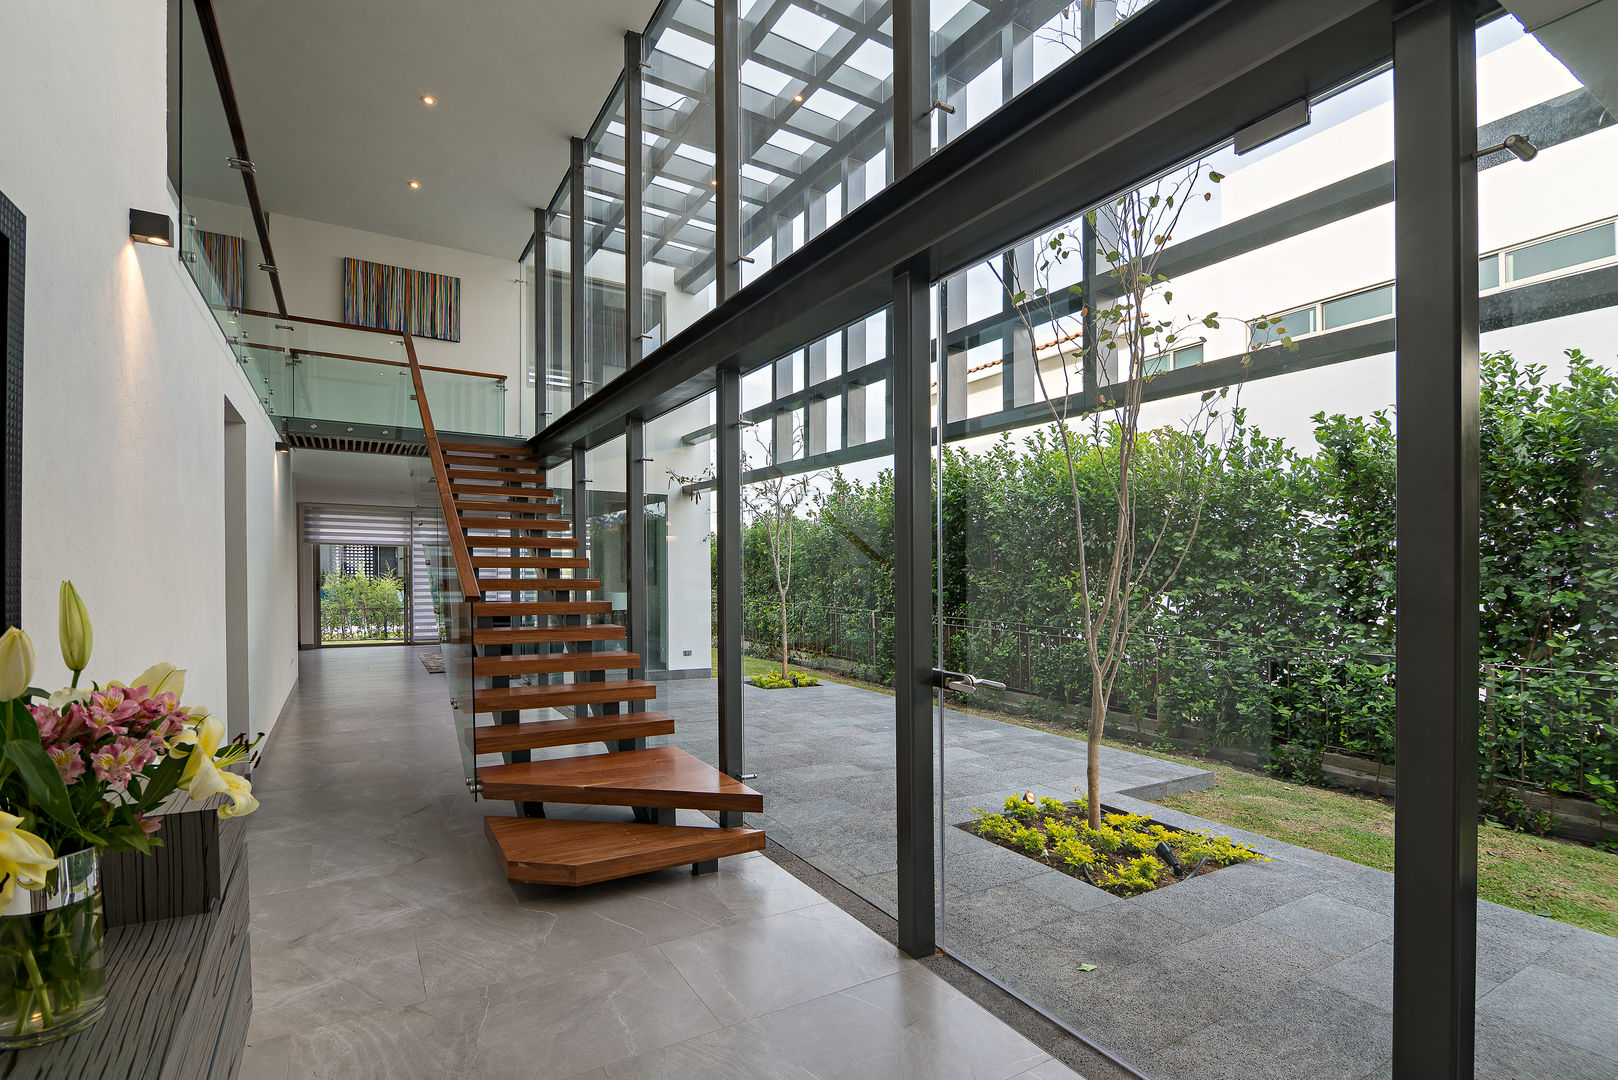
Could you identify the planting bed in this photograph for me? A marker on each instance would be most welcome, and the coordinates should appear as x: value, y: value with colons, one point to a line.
x: 1129, y: 855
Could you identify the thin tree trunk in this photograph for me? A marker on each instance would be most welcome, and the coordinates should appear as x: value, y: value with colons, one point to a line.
x: 783, y: 637
x: 1092, y: 768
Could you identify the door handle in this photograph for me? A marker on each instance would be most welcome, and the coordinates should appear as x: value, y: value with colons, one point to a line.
x: 963, y: 683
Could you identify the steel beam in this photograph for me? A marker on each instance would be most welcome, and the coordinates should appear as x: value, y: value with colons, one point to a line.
x: 634, y: 194
x: 575, y: 261
x: 1435, y: 253
x: 727, y: 149
x: 635, y: 538
x: 541, y: 338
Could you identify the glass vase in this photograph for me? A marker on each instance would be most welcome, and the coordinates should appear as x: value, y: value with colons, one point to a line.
x: 52, y: 974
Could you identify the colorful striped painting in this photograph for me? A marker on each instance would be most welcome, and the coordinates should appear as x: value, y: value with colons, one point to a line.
x: 226, y: 283
x: 393, y: 298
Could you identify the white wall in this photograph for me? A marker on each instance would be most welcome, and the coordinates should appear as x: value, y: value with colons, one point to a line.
x: 127, y: 375
x: 311, y: 253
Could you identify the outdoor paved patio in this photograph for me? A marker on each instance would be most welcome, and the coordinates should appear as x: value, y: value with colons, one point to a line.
x: 1280, y: 969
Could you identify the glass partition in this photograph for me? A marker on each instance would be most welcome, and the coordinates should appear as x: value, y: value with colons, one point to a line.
x: 218, y: 242
x: 605, y: 347
x: 677, y: 177
x: 451, y: 607
x: 1166, y: 805
x: 559, y: 306
x: 679, y: 544
x: 816, y: 120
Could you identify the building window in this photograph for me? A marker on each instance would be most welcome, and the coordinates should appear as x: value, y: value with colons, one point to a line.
x: 1357, y: 307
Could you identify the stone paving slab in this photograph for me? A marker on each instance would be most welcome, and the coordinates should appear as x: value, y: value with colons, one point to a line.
x: 1278, y: 969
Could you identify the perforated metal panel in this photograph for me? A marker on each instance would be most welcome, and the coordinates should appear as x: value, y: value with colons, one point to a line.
x: 12, y: 259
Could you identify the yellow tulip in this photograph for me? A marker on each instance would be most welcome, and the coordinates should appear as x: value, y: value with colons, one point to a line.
x: 25, y: 859
x: 16, y: 664
x: 73, y: 627
x: 240, y: 791
x: 161, y: 679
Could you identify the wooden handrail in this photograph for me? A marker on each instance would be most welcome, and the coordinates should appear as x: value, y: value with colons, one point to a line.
x: 470, y: 587
x: 371, y: 359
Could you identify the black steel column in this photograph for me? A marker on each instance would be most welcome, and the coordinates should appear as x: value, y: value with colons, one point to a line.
x: 1435, y: 828
x: 727, y: 149
x: 541, y: 361
x: 728, y: 492
x: 913, y: 645
x: 635, y: 539
x: 634, y: 233
x: 581, y: 519
x: 575, y: 247
x: 912, y: 86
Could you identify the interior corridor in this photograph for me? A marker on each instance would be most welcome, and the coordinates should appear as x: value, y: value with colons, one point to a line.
x: 386, y: 942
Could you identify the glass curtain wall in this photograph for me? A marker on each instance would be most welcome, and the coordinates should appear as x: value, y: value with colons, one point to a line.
x: 678, y: 178
x: 816, y: 119
x: 1547, y: 745
x: 559, y: 305
x: 1243, y: 664
x: 680, y: 547
x: 605, y: 345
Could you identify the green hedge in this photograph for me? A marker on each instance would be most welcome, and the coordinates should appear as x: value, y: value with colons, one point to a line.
x: 1280, y: 626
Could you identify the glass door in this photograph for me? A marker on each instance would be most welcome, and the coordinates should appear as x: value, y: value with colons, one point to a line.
x: 363, y: 594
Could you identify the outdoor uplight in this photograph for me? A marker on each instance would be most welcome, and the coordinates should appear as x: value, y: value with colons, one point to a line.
x: 148, y: 227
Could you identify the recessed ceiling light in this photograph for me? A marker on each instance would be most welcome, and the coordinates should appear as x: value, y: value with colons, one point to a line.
x: 428, y: 99
x: 797, y: 97
x: 415, y: 185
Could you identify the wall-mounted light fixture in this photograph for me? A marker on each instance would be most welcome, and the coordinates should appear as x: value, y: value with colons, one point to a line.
x: 282, y: 448
x: 147, y: 227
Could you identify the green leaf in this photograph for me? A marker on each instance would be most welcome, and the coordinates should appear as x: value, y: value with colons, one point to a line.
x: 1086, y: 967
x: 44, y: 783
x: 162, y: 783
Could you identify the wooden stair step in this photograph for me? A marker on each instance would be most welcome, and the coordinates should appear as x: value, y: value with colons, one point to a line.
x: 515, y: 524
x: 568, y: 731
x: 562, y: 695
x: 663, y: 776
x: 513, y: 608
x: 523, y: 635
x: 540, y: 584
x: 498, y: 449
x: 559, y: 851
x: 493, y: 475
x: 535, y: 562
x: 484, y: 494
x: 548, y: 663
x: 508, y: 543
x: 479, y: 461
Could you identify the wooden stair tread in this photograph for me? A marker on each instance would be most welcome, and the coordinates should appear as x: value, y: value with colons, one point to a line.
x: 549, y: 663
x: 559, y: 851
x: 491, y: 494
x: 540, y: 562
x: 500, y: 449
x: 477, y: 543
x: 561, y: 695
x: 523, y: 635
x: 493, y: 475
x: 663, y: 776
x: 510, y: 524
x: 568, y: 731
x: 513, y: 608
x: 540, y: 584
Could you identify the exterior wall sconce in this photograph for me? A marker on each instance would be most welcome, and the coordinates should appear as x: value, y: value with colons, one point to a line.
x: 147, y: 227
x: 282, y: 448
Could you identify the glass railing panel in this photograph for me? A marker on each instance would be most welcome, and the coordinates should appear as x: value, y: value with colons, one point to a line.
x: 466, y: 403
x: 217, y: 241
x: 559, y: 306
x: 450, y: 606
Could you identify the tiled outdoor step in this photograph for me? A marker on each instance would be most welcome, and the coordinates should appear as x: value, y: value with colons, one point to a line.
x: 542, y: 608
x: 522, y: 635
x: 568, y: 731
x: 485, y: 448
x: 547, y: 663
x: 558, y: 851
x: 663, y: 776
x: 562, y: 695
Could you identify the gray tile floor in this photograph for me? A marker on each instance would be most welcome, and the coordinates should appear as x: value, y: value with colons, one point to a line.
x: 1280, y: 969
x: 387, y: 943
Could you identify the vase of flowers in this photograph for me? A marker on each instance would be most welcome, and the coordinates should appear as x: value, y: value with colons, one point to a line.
x: 82, y: 771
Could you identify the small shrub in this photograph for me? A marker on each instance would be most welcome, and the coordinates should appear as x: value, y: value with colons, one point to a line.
x: 772, y: 680
x: 1131, y: 878
x: 1075, y: 853
x: 1020, y: 808
x: 1506, y: 808
x: 1029, y: 839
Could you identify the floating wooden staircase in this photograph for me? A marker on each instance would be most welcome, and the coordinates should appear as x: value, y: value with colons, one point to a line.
x: 526, y: 633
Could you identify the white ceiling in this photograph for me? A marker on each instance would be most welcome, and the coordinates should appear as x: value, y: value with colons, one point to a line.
x: 364, y: 479
x: 330, y: 96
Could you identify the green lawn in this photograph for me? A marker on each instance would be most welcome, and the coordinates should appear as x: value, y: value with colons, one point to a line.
x: 1569, y: 882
